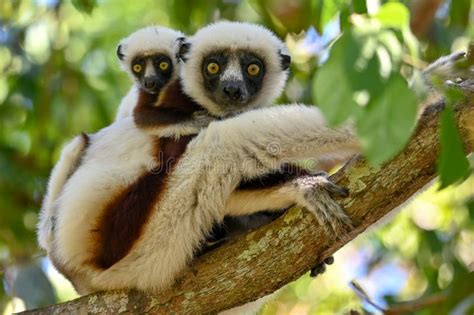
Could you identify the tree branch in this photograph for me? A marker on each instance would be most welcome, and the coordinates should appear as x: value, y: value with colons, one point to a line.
x: 422, y: 15
x: 263, y: 261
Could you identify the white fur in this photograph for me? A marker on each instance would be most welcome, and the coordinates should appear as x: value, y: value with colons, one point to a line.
x: 149, y: 40
x: 146, y: 41
x: 128, y: 103
x: 233, y: 36
x: 212, y: 166
x: 69, y: 160
x: 200, y: 190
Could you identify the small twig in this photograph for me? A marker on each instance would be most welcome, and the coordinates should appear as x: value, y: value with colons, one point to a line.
x: 364, y: 296
x: 416, y: 305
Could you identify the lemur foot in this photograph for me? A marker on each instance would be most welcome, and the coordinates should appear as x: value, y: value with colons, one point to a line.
x: 451, y: 69
x: 321, y: 267
x: 316, y: 194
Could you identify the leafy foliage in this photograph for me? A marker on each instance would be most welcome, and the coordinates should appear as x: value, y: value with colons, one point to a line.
x: 452, y: 164
x: 59, y: 76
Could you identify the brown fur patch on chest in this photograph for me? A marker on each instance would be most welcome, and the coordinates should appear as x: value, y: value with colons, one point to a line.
x: 125, y: 216
x: 171, y: 107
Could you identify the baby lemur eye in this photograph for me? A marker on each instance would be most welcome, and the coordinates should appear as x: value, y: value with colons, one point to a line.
x: 164, y: 65
x: 253, y: 69
x: 212, y: 68
x: 137, y: 68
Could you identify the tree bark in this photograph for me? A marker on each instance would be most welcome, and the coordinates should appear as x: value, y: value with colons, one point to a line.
x: 263, y: 261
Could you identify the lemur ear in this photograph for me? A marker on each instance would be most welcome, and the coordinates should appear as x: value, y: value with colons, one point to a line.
x: 285, y: 61
x: 120, y: 54
x: 183, y: 50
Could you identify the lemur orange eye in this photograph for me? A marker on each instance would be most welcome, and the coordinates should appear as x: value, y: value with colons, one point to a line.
x: 253, y: 69
x: 137, y: 68
x: 164, y: 65
x: 212, y: 68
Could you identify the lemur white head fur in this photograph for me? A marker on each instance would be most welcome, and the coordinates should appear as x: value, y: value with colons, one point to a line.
x: 231, y: 67
x: 149, y: 56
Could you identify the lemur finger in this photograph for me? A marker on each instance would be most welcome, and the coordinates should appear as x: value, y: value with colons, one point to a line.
x: 336, y: 191
x: 321, y: 267
x: 322, y: 179
x: 341, y: 225
x: 457, y: 55
x: 329, y: 260
x: 317, y: 270
x: 321, y: 173
x: 330, y: 216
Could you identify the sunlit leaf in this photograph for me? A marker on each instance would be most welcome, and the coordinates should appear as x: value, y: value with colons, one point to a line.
x: 390, y: 41
x: 394, y: 14
x: 359, y: 6
x: 388, y: 121
x: 329, y: 10
x: 332, y: 87
x: 453, y: 165
x: 85, y: 6
x: 470, y: 207
x: 459, y: 12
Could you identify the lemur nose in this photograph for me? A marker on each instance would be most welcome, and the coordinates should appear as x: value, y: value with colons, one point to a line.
x: 150, y: 82
x: 232, y: 90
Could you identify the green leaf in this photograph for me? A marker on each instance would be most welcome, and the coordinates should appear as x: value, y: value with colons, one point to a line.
x: 394, y: 14
x: 390, y: 41
x: 470, y: 208
x: 329, y: 10
x: 459, y: 13
x: 453, y: 165
x: 352, y: 70
x: 388, y: 121
x: 85, y: 6
x: 359, y: 6
x: 332, y: 87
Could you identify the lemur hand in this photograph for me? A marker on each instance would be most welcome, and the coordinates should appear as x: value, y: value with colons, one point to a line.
x: 451, y: 69
x: 202, y: 118
x: 315, y: 194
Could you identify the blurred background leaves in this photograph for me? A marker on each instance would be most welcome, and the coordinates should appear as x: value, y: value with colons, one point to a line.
x: 59, y: 76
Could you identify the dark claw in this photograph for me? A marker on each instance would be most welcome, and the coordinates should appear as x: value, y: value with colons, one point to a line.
x: 343, y: 192
x: 329, y: 260
x: 337, y: 191
x: 321, y: 267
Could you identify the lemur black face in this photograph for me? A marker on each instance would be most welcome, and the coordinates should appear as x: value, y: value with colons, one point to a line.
x: 152, y: 71
x: 233, y: 79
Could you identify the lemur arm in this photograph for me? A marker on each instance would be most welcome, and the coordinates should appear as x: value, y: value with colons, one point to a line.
x: 272, y: 136
x: 259, y: 142
x: 70, y: 159
x: 171, y: 114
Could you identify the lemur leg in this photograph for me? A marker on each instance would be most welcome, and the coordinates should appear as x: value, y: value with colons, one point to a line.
x: 71, y: 156
x: 314, y: 192
x: 260, y: 195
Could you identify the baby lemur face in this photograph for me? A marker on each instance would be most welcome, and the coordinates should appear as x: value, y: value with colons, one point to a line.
x: 233, y: 78
x: 149, y: 56
x: 152, y: 71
